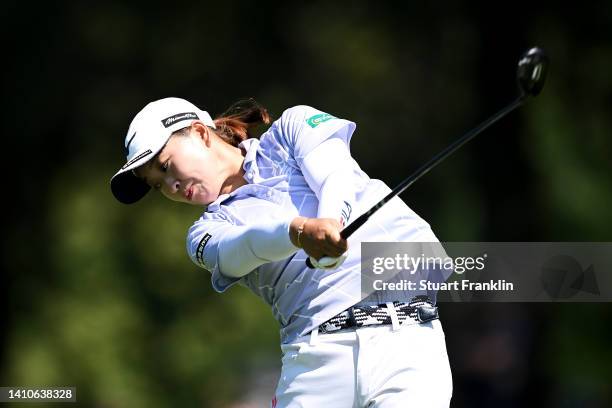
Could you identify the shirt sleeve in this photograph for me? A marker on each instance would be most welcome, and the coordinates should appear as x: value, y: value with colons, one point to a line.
x: 334, y: 176
x: 303, y: 128
x: 231, y: 251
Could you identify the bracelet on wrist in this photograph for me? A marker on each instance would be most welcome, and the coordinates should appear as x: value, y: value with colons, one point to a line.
x: 300, y: 230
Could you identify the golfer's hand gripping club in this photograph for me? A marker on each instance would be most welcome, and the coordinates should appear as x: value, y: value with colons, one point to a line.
x: 320, y: 238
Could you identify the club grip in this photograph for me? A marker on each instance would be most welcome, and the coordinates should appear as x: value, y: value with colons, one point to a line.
x: 347, y: 231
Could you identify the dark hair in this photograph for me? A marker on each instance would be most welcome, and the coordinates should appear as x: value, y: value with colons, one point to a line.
x: 235, y: 124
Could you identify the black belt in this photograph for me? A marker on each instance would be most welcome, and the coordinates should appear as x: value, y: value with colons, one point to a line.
x: 421, y: 309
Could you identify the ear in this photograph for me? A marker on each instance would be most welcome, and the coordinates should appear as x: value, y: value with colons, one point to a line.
x: 202, y: 131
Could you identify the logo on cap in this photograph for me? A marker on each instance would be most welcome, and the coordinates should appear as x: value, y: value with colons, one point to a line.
x: 127, y: 146
x: 178, y: 118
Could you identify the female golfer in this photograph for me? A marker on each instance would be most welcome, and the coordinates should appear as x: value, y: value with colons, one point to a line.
x: 269, y: 204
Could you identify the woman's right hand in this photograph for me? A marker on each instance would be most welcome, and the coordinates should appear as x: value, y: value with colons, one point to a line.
x: 320, y: 236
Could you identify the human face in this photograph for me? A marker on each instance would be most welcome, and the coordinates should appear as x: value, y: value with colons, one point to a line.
x: 185, y: 170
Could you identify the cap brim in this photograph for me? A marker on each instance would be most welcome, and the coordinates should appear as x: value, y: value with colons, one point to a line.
x: 127, y: 188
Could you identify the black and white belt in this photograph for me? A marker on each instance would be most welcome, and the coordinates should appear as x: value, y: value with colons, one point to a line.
x: 420, y: 309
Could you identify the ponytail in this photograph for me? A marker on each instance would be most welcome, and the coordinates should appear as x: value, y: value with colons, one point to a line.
x: 234, y: 125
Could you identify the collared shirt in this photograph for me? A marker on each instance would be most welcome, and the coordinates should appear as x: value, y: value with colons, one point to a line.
x: 300, y: 298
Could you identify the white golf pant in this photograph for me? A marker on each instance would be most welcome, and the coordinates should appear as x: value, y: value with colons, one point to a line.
x: 371, y: 366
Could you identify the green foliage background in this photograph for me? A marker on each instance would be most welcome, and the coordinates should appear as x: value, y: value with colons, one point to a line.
x: 102, y: 296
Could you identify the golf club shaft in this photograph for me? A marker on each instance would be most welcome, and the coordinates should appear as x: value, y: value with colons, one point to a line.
x: 531, y: 74
x: 424, y: 169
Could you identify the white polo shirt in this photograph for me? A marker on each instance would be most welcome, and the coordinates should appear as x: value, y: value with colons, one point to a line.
x: 300, y: 298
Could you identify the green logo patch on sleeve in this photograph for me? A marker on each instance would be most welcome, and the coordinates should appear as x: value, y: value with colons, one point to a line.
x: 314, y: 121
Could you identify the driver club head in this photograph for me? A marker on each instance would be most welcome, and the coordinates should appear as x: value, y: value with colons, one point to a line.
x: 531, y: 71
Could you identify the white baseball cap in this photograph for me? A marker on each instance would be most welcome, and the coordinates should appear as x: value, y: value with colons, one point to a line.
x: 147, y: 135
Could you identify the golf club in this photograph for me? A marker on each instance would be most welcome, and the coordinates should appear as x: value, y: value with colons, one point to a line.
x: 531, y: 74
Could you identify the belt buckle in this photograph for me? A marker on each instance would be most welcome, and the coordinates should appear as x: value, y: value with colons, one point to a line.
x: 426, y: 313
